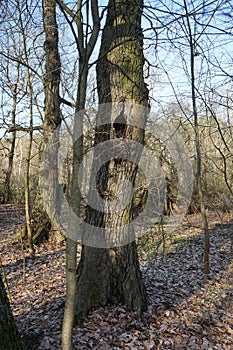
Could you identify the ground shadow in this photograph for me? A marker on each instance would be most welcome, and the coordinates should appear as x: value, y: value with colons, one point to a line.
x: 171, y: 282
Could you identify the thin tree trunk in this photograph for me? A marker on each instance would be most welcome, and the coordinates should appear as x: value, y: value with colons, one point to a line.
x: 198, y: 151
x: 7, y: 184
x: 113, y: 275
x: 27, y: 197
x: 85, y: 52
x: 71, y: 245
x: 29, y: 149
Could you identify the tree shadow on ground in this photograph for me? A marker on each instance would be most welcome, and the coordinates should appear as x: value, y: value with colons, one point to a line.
x: 182, y: 300
x: 180, y: 271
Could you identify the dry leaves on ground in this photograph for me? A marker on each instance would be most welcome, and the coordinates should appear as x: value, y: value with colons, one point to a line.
x: 187, y: 310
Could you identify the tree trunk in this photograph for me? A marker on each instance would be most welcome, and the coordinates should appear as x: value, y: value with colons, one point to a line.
x: 112, y: 275
x: 85, y: 49
x: 29, y: 148
x: 42, y: 222
x: 198, y: 176
x: 9, y: 335
x: 7, y: 184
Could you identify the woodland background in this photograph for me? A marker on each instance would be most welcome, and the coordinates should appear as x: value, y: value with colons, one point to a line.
x: 187, y: 273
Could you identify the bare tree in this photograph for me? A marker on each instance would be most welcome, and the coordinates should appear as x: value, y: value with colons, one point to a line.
x: 113, y: 275
x: 7, y: 184
x: 29, y: 148
x: 85, y: 46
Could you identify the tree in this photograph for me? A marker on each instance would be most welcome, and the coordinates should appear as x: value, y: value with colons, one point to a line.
x: 42, y: 222
x: 191, y: 32
x: 85, y: 48
x: 14, y: 86
x: 7, y: 185
x: 113, y: 275
x: 198, y: 178
x: 9, y: 335
x: 16, y: 58
x: 30, y: 142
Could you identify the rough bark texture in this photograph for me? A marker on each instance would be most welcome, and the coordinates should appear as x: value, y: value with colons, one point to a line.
x: 52, y: 118
x: 53, y: 69
x: 42, y: 224
x: 113, y: 275
x: 9, y: 335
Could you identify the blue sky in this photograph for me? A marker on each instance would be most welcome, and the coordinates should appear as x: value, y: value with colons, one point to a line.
x: 171, y: 59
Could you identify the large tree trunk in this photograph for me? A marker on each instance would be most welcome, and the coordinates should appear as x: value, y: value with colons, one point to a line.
x: 53, y: 69
x: 48, y: 188
x: 9, y: 335
x: 111, y: 275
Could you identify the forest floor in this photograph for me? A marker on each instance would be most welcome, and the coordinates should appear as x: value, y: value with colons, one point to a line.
x: 187, y: 310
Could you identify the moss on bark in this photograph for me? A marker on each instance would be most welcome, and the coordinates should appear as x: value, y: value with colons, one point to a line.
x: 9, y: 335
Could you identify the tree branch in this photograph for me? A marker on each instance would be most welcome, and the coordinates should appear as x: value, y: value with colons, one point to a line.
x: 68, y: 103
x: 15, y: 59
x: 21, y: 128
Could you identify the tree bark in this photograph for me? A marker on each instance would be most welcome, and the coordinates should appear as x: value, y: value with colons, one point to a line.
x: 113, y: 275
x: 7, y: 184
x: 198, y: 176
x: 85, y: 49
x: 43, y: 223
x: 29, y: 148
x: 9, y: 335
